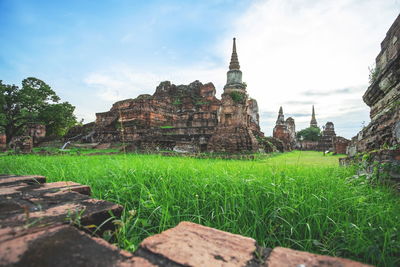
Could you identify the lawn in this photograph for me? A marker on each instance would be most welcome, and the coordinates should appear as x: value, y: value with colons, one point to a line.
x: 302, y: 200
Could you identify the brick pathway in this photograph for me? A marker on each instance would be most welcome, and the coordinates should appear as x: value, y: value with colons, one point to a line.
x: 37, y: 228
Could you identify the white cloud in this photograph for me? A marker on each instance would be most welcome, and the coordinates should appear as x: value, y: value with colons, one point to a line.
x: 119, y: 83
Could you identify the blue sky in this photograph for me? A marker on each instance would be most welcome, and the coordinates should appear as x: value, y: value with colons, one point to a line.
x: 292, y: 53
x: 66, y: 39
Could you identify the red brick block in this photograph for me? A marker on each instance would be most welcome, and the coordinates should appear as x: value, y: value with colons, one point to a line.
x: 65, y: 246
x: 21, y: 215
x: 16, y: 190
x: 6, y: 179
x: 191, y: 244
x: 285, y: 257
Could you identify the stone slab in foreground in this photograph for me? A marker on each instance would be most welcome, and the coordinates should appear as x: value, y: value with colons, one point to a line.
x: 18, y: 190
x: 190, y: 244
x: 64, y: 246
x: 26, y: 179
x: 285, y: 257
x: 196, y: 245
x: 27, y: 206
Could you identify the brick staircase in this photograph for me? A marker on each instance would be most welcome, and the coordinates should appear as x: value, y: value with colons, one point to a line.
x: 37, y: 228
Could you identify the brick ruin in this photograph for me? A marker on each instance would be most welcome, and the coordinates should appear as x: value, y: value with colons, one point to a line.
x: 190, y: 118
x: 285, y: 131
x: 380, y: 139
x: 3, y: 141
x: 22, y: 144
x: 328, y: 134
x: 185, y: 118
x: 33, y: 135
x: 383, y: 97
x: 340, y: 144
x: 36, y: 131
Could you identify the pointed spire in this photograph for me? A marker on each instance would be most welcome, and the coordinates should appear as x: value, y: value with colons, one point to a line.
x: 281, y: 117
x: 313, y: 122
x: 234, y: 65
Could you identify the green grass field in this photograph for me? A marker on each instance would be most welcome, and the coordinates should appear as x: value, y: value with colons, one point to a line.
x: 301, y: 200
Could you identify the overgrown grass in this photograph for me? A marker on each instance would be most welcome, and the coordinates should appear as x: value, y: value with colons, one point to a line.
x: 301, y: 200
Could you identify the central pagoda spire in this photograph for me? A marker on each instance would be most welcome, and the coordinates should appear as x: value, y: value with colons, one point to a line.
x: 281, y: 118
x: 234, y: 65
x: 234, y: 75
x: 313, y: 122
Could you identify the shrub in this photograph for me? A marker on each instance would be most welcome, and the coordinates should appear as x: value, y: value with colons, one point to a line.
x: 237, y: 97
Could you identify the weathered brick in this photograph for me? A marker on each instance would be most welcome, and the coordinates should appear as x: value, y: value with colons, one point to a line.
x: 284, y: 257
x: 64, y: 246
x: 383, y: 97
x: 191, y: 244
x: 19, y: 215
x: 6, y: 179
x: 16, y: 190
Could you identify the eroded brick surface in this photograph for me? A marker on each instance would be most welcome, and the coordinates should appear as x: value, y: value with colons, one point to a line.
x: 84, y: 213
x: 6, y: 179
x: 64, y: 246
x: 17, y: 190
x: 196, y: 245
x: 284, y: 257
x: 29, y: 207
x: 383, y: 97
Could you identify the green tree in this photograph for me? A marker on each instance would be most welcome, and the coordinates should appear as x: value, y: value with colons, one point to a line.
x: 34, y: 102
x: 58, y: 118
x: 309, y: 134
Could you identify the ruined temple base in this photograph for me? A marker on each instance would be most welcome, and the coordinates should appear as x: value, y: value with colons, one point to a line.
x: 382, y: 165
x: 233, y: 140
x: 383, y: 130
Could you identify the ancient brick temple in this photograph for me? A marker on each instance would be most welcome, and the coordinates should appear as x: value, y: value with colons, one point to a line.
x: 383, y: 97
x: 233, y: 132
x: 36, y: 131
x: 328, y: 134
x: 328, y: 140
x: 285, y: 131
x: 381, y: 137
x: 340, y: 144
x: 185, y: 118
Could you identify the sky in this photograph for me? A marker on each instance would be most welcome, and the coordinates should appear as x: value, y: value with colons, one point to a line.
x: 293, y: 53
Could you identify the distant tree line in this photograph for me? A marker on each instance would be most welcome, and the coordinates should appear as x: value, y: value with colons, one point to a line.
x: 309, y: 134
x: 33, y: 102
